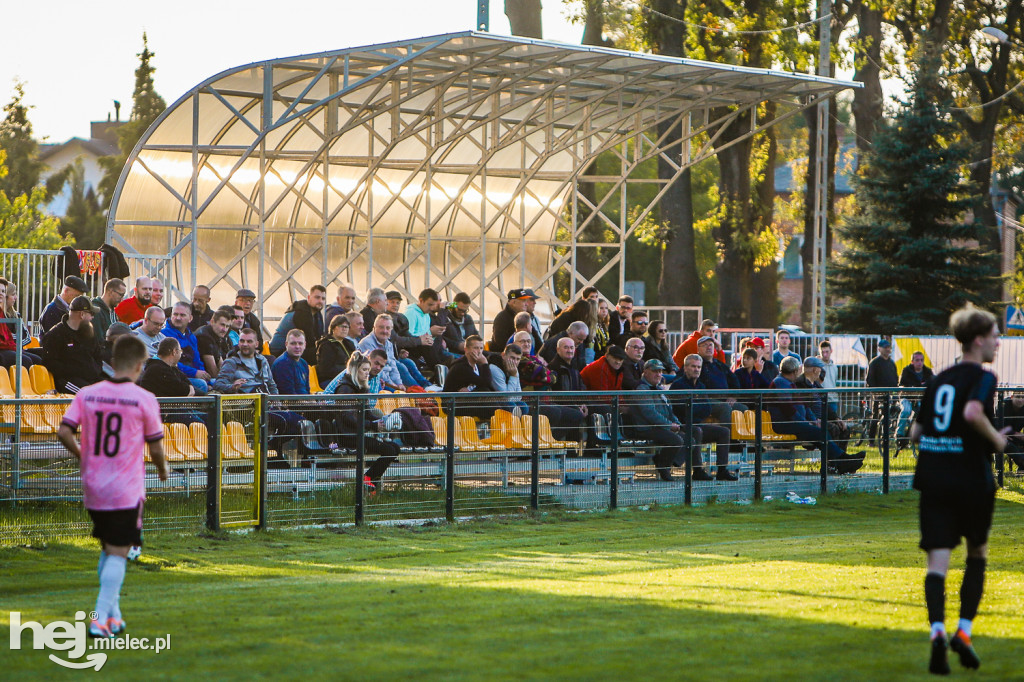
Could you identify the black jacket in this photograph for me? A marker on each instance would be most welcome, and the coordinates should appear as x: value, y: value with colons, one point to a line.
x: 332, y: 358
x: 72, y: 356
x: 369, y: 317
x: 164, y: 381
x: 311, y: 322
x: 910, y: 380
x: 568, y: 377
x: 456, y: 333
x: 549, y: 351
x: 252, y: 322
x: 460, y: 375
x: 882, y: 372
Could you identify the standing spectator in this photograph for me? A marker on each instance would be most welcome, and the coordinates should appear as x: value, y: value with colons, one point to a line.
x: 162, y: 378
x: 577, y: 312
x: 380, y: 338
x: 191, y: 363
x: 653, y: 419
x: 376, y: 303
x: 134, y: 307
x: 915, y: 375
x: 212, y: 341
x: 830, y: 375
x: 306, y: 315
x: 71, y: 351
x: 689, y: 345
x: 9, y: 345
x: 590, y: 293
x: 246, y: 299
x: 202, y: 313
x: 782, y: 341
x: 291, y: 372
x: 158, y: 292
x: 881, y: 374
x: 334, y: 350
x: 503, y: 326
x: 356, y: 381
x: 56, y: 309
x: 702, y: 432
x: 460, y: 324
x: 113, y: 291
x: 599, y: 311
x: 471, y: 373
x: 715, y: 376
x: 150, y: 332
x: 656, y: 348
x: 633, y: 367
x: 344, y: 303
x: 619, y: 321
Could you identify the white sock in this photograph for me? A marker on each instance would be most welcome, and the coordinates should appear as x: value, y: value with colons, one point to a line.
x: 965, y: 625
x: 111, y: 579
x: 99, y: 566
x: 938, y: 629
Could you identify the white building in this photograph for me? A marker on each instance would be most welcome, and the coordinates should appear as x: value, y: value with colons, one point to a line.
x: 102, y: 142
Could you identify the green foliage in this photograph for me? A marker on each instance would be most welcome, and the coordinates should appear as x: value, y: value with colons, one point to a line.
x: 146, y: 106
x: 911, y: 258
x: 20, y: 147
x: 84, y: 220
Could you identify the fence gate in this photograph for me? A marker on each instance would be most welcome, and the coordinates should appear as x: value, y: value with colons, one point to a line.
x: 236, y: 468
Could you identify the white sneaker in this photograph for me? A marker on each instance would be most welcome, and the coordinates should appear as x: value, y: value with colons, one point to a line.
x: 433, y: 388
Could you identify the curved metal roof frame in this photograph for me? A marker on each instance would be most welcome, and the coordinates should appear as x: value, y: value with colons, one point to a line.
x: 447, y: 161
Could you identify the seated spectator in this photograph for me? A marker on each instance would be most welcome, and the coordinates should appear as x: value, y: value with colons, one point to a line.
x: 246, y: 300
x: 158, y: 292
x: 134, y: 307
x: 471, y: 374
x: 605, y: 373
x: 633, y: 367
x: 790, y: 416
x: 619, y: 322
x: 578, y: 334
x: 653, y: 419
x: 162, y: 377
x: 426, y: 321
x: 55, y: 310
x: 524, y: 323
x: 715, y: 376
x: 769, y: 370
x: 689, y: 345
x: 460, y: 324
x: 237, y: 322
x: 334, y: 350
x: 212, y: 340
x: 191, y: 364
x: 533, y: 369
x: 376, y: 303
x: 572, y: 412
x: 380, y: 338
x: 356, y: 332
x: 150, y: 332
x: 356, y: 381
x: 70, y: 349
x: 113, y: 291
x: 305, y: 315
x: 503, y: 327
x: 10, y: 309
x: 107, y: 350
x: 291, y: 372
x: 202, y: 313
x: 9, y: 345
x: 914, y: 375
x: 782, y: 341
x: 656, y: 348
x: 701, y: 431
x: 810, y: 378
x: 590, y: 293
x: 1013, y: 416
x: 749, y: 377
x: 505, y: 375
x: 638, y: 323
x: 344, y: 303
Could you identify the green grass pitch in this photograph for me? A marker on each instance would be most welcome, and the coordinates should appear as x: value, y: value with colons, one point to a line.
x: 764, y: 592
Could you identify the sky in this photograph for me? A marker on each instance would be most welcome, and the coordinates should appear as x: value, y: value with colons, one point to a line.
x: 77, y: 57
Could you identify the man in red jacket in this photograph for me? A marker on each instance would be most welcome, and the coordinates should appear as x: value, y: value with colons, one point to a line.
x: 689, y: 346
x: 605, y: 373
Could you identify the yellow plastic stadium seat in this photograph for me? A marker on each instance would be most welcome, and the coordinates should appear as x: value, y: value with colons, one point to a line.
x: 26, y: 381
x: 54, y: 414
x: 500, y: 432
x: 183, y: 441
x: 239, y: 441
x: 314, y: 381
x: 6, y: 389
x: 200, y: 439
x: 171, y: 451
x: 440, y: 430
x: 34, y: 343
x: 547, y: 439
x: 471, y: 437
x: 42, y: 380
x: 740, y: 426
x: 768, y: 433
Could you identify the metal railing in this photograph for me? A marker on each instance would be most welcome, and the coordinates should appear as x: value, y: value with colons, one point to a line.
x: 336, y: 459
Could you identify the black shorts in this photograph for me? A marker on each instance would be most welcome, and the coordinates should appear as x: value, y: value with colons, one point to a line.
x: 118, y: 527
x: 946, y: 517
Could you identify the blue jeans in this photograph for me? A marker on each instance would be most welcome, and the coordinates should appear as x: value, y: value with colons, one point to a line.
x: 410, y: 373
x: 906, y: 408
x: 202, y: 388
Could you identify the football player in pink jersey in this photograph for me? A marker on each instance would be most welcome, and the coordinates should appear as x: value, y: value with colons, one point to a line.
x: 117, y: 420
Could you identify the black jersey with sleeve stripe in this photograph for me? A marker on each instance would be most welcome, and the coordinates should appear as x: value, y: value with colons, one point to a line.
x: 943, y: 427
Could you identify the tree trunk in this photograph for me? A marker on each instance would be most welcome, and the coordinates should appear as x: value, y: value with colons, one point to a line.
x: 593, y: 23
x: 524, y: 18
x: 733, y: 233
x: 764, y: 296
x: 867, y: 101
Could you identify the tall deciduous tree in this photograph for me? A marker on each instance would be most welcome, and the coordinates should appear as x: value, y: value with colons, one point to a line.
x: 146, y: 106
x: 524, y: 18
x: 911, y: 258
x: 23, y: 224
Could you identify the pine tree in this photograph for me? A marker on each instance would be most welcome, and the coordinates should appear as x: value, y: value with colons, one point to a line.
x: 22, y: 150
x: 146, y: 106
x: 911, y: 256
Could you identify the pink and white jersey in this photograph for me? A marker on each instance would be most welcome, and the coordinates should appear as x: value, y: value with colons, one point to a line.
x: 117, y: 419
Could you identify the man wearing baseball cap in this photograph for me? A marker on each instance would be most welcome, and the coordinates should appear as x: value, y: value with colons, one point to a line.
x: 504, y: 326
x: 72, y: 353
x: 58, y: 307
x: 708, y: 328
x: 881, y: 374
x: 654, y: 420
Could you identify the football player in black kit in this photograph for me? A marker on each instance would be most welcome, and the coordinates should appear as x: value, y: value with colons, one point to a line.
x: 956, y: 436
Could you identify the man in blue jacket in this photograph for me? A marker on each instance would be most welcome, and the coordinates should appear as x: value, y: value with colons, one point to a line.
x: 191, y: 362
x: 715, y: 376
x: 291, y: 371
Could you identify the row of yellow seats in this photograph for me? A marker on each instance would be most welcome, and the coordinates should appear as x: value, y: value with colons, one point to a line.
x: 745, y: 423
x: 189, y: 443
x: 35, y: 381
x: 508, y: 432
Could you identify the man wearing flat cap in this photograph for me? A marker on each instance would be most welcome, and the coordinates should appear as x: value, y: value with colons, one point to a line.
x: 71, y: 351
x: 504, y: 325
x: 58, y: 307
x: 246, y: 299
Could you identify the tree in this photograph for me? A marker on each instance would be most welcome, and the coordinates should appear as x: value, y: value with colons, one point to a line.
x: 524, y: 18
x: 146, y: 106
x: 22, y: 151
x: 84, y: 218
x: 911, y: 258
x: 23, y: 225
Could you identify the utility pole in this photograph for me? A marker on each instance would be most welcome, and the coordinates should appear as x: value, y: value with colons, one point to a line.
x: 821, y: 172
x: 483, y: 15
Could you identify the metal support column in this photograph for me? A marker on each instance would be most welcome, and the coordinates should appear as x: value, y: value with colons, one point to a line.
x: 821, y: 173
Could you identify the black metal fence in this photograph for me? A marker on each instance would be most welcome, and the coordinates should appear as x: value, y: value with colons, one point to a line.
x: 277, y: 461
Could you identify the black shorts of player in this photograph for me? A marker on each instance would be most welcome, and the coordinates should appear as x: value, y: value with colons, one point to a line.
x: 957, y: 498
x: 118, y: 527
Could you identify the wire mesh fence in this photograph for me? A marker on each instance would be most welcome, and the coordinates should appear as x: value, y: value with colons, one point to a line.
x: 278, y: 461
